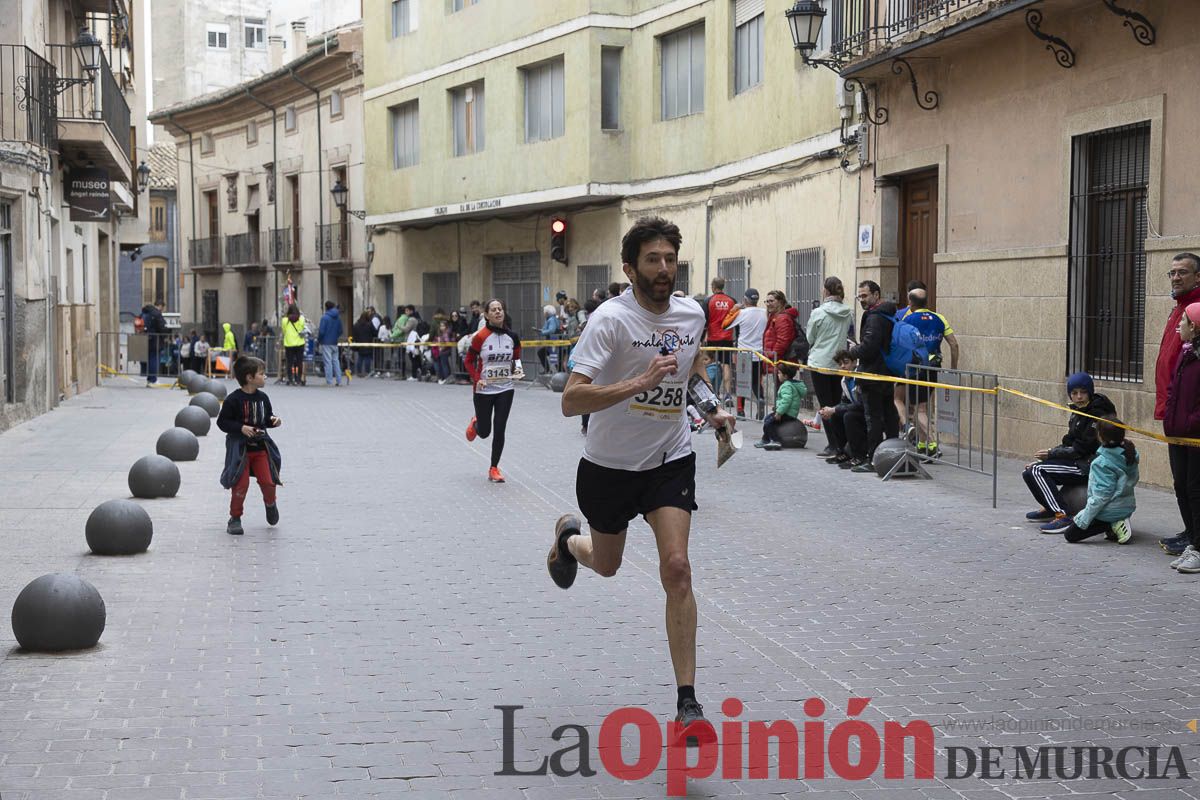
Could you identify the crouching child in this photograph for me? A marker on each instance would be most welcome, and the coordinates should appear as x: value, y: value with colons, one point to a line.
x: 1111, y: 479
x: 245, y: 416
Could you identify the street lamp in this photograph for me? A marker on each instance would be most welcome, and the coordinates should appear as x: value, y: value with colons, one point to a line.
x: 143, y: 172
x: 340, y: 192
x: 89, y: 49
x: 804, y: 19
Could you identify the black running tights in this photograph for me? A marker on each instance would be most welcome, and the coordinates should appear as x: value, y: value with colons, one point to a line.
x: 492, y: 409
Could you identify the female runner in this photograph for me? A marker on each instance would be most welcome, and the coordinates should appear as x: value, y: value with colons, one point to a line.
x: 493, y: 360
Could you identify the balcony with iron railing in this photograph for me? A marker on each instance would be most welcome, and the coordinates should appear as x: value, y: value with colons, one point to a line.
x: 862, y: 29
x: 243, y: 250
x: 27, y: 107
x: 279, y: 245
x: 93, y: 117
x: 333, y: 243
x: 204, y: 253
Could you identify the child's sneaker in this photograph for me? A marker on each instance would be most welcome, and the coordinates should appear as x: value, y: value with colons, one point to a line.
x: 1122, y: 531
x: 234, y: 526
x: 1182, y: 556
x: 773, y: 446
x: 1189, y: 562
x: 272, y: 514
x: 1041, y: 515
x: 1060, y: 524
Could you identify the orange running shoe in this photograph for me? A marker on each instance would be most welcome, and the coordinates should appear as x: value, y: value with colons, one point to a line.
x: 494, y: 475
x: 471, y: 430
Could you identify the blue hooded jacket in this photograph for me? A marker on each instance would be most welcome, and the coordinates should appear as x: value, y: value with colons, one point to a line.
x: 1110, y: 488
x: 330, y: 329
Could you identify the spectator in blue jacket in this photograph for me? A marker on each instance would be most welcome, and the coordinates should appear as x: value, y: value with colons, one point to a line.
x: 549, y: 330
x: 328, y: 333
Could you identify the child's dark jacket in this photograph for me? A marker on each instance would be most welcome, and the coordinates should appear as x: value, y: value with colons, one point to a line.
x: 1082, y: 441
x: 254, y: 410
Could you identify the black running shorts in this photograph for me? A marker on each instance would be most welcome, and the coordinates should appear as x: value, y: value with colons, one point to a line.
x: 610, y: 498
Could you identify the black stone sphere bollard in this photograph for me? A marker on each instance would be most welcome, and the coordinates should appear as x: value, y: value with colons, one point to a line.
x: 154, y: 476
x: 178, y: 444
x: 119, y: 528
x: 208, y: 402
x: 58, y: 612
x: 195, y: 419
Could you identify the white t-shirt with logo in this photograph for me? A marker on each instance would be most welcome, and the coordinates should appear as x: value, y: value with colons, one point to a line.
x: 751, y: 323
x: 650, y: 428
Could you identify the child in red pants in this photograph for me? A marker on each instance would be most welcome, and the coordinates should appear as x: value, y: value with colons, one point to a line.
x: 245, y: 417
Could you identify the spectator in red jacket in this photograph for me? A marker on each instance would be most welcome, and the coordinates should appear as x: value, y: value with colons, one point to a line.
x: 781, y: 325
x: 1185, y: 288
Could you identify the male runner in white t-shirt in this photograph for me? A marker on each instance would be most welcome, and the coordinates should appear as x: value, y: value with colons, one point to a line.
x: 631, y: 371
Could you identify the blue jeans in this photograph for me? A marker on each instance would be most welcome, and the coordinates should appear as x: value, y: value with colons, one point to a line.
x: 333, y: 367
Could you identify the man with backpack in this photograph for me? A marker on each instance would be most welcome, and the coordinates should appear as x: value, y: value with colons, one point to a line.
x: 931, y: 330
x: 883, y: 421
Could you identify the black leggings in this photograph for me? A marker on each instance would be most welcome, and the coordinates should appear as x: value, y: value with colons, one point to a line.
x: 295, y: 362
x: 1185, y: 470
x: 828, y: 389
x: 489, y: 409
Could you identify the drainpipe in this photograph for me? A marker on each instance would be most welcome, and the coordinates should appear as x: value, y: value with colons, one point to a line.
x: 707, y: 240
x: 275, y: 179
x: 194, y: 204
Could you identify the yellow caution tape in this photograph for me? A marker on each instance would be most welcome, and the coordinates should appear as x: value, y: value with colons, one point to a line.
x: 112, y: 372
x: 999, y: 389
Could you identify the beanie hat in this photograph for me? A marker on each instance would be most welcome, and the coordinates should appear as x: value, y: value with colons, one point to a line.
x: 1193, y: 313
x: 1081, y: 380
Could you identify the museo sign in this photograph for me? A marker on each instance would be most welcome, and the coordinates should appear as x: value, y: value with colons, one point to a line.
x: 88, y: 194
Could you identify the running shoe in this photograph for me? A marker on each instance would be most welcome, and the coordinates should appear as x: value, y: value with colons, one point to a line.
x: 1174, y: 545
x: 1041, y: 515
x: 827, y: 452
x: 773, y: 446
x: 1188, y: 551
x: 693, y: 727
x: 1122, y: 531
x: 471, y: 430
x: 561, y: 565
x: 761, y: 443
x: 837, y: 458
x: 494, y: 475
x: 814, y: 423
x: 1060, y: 524
x: 234, y: 526
x: 272, y: 514
x: 1189, y: 562
x: 852, y: 463
x: 863, y: 467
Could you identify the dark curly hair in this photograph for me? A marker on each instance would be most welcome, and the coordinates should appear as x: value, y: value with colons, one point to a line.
x: 648, y: 229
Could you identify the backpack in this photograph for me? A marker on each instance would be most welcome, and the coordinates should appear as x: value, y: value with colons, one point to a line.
x: 906, y: 347
x: 797, y: 351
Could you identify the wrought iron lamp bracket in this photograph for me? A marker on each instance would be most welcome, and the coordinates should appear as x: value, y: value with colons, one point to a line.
x: 62, y: 84
x: 1143, y: 30
x: 880, y: 115
x: 356, y: 214
x: 1063, y: 53
x: 927, y: 101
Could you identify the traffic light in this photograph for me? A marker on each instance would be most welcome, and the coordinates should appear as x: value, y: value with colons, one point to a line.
x: 558, y: 239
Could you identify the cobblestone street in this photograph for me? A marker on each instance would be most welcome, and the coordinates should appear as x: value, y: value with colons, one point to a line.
x: 361, y: 647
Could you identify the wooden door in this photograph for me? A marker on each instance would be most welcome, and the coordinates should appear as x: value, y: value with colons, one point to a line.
x: 918, y: 234
x: 214, y: 215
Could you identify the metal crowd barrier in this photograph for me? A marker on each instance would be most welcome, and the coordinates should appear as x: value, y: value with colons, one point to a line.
x: 959, y: 422
x: 131, y: 354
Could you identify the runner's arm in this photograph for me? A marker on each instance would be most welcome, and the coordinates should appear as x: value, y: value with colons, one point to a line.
x: 952, y: 343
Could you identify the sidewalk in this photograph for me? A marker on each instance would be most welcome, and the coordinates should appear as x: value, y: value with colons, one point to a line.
x: 360, y: 649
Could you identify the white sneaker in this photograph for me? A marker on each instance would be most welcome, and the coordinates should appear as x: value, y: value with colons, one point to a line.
x: 1189, y: 562
x: 1122, y: 531
x: 442, y: 382
x: 1189, y: 550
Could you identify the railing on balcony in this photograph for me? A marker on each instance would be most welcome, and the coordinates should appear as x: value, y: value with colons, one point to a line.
x: 205, y: 252
x: 859, y: 26
x: 279, y: 245
x: 242, y: 250
x: 333, y: 242
x: 27, y: 110
x: 79, y: 101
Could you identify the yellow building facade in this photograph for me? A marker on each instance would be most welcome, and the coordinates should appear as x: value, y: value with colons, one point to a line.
x: 484, y: 121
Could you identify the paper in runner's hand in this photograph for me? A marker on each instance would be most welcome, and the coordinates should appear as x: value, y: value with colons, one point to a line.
x: 727, y: 444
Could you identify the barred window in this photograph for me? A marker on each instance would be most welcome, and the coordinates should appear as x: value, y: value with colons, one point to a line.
x: 736, y: 272
x: 1106, y: 292
x: 683, y: 277
x: 590, y: 278
x: 803, y: 277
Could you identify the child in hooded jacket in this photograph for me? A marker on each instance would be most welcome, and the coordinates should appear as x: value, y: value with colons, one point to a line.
x: 1067, y: 464
x: 1112, y: 476
x: 787, y: 407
